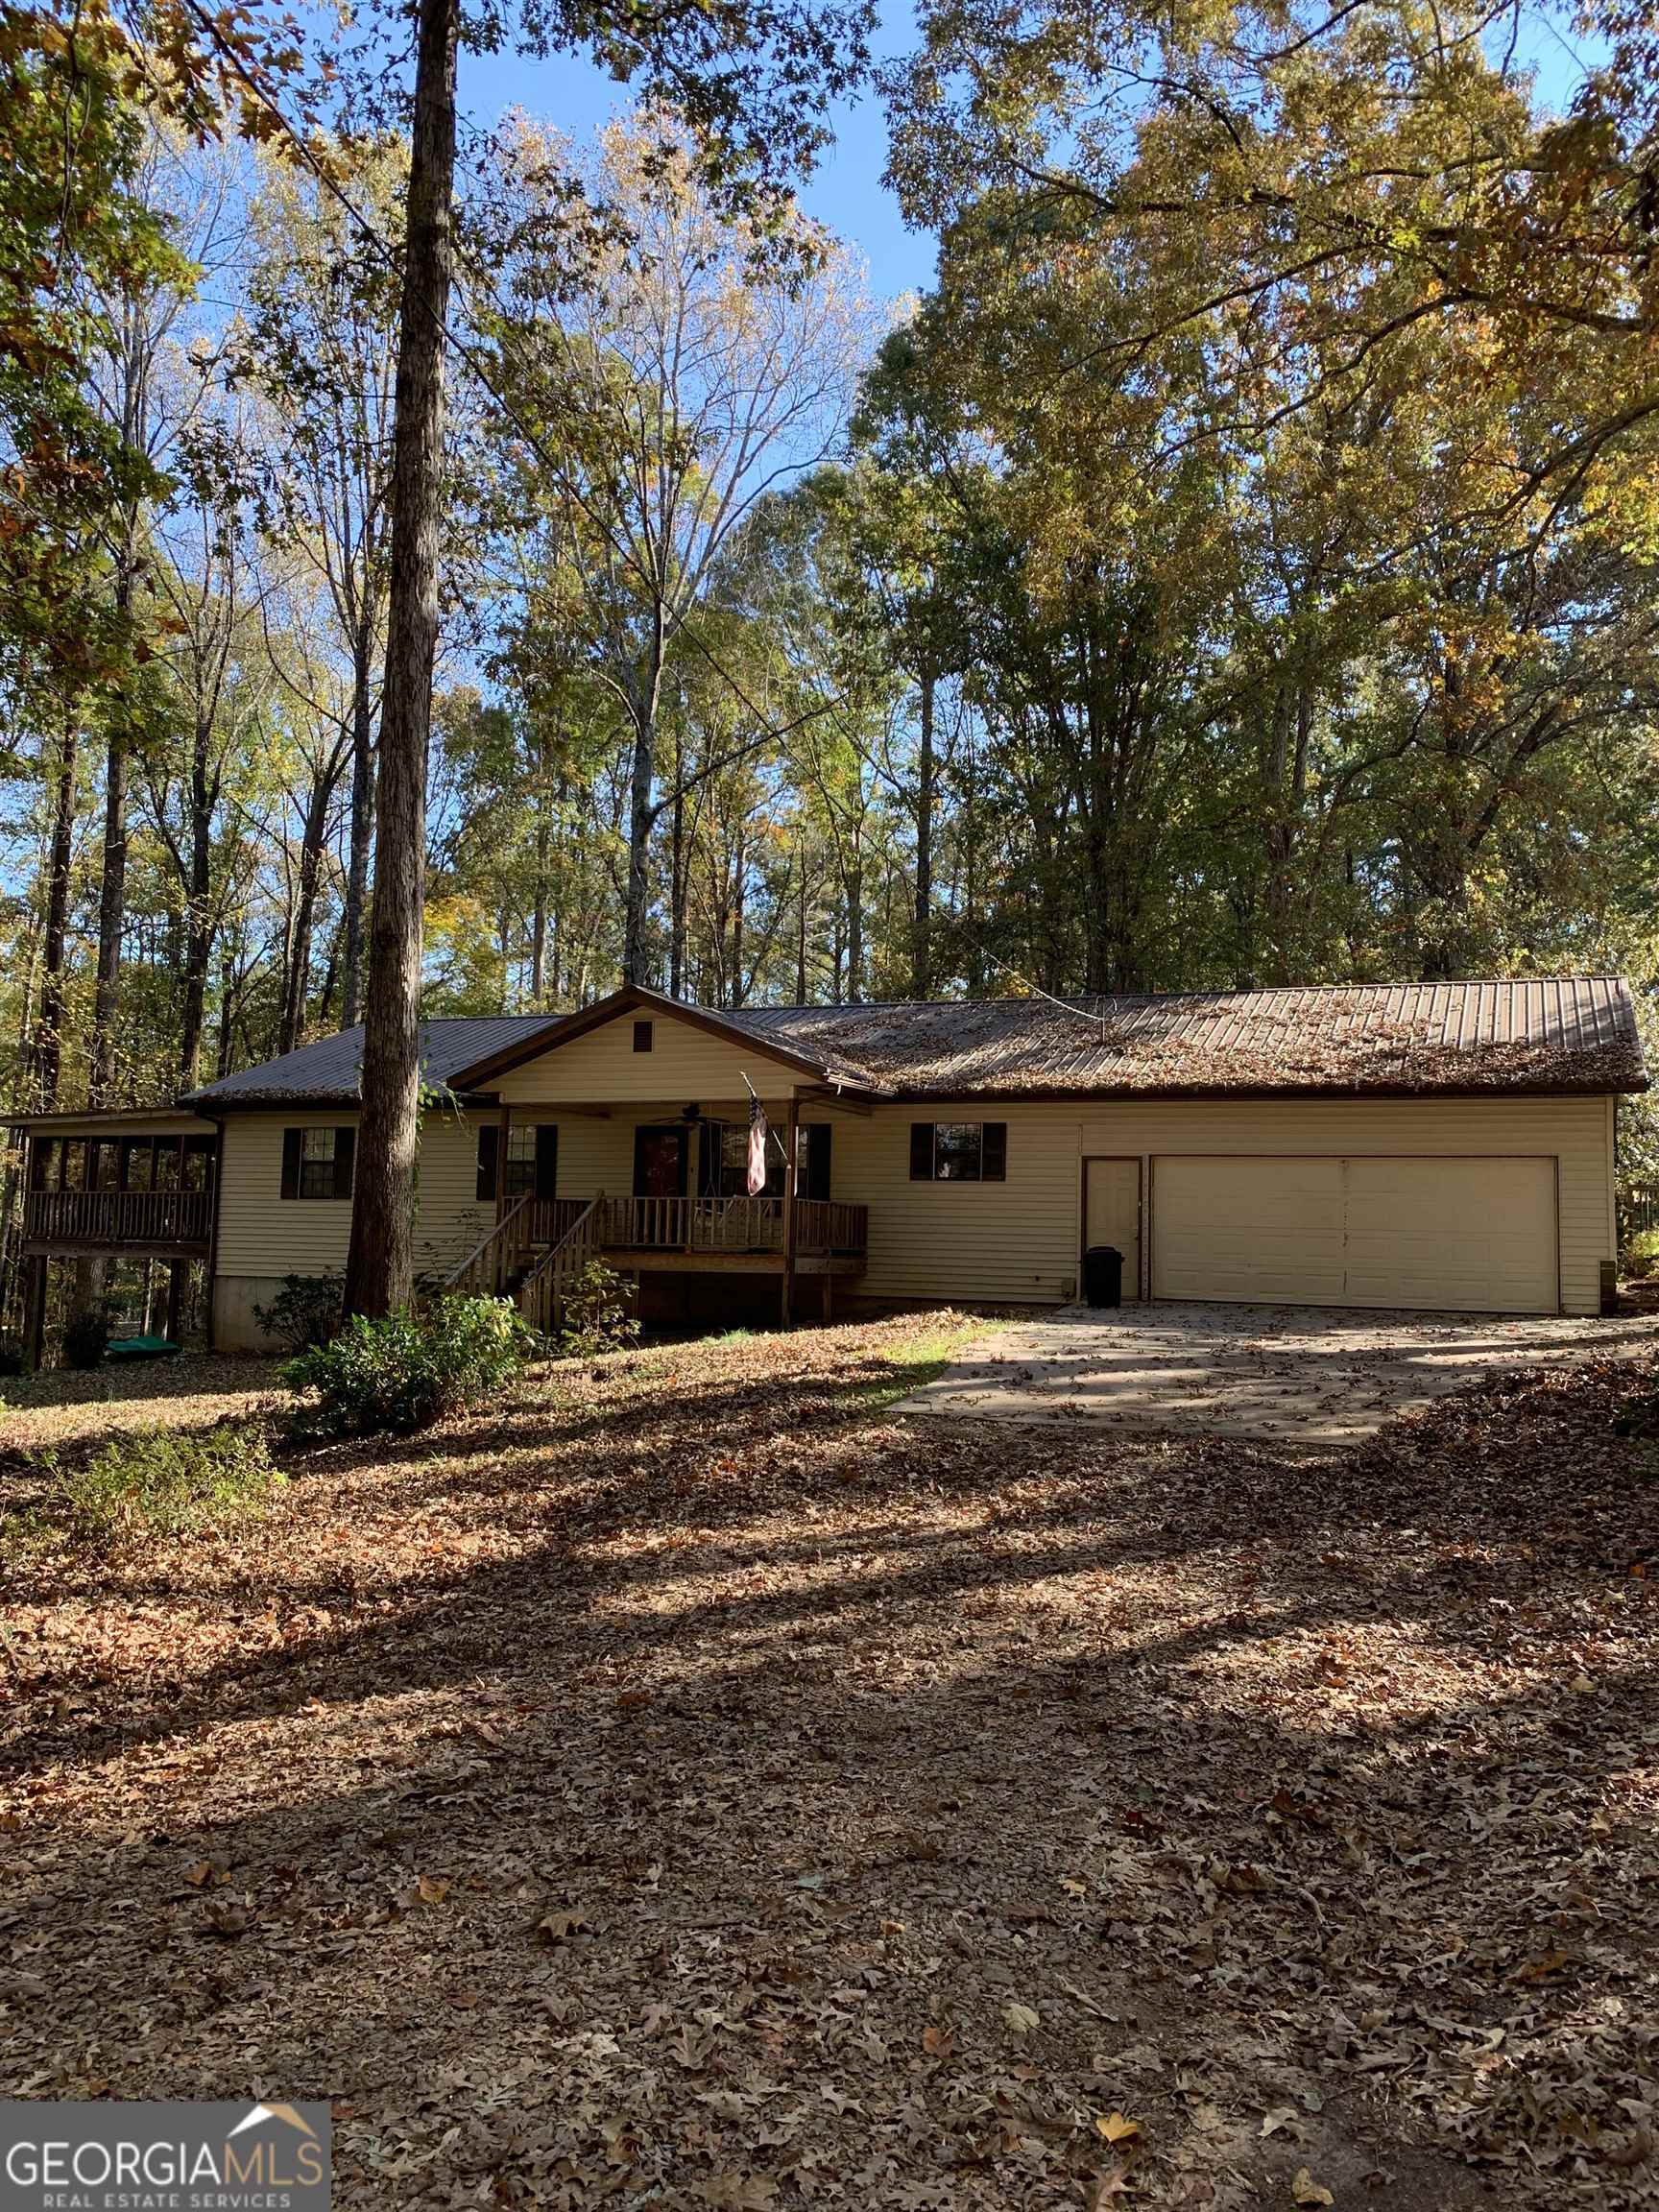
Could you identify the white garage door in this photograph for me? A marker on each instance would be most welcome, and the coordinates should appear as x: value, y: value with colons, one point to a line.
x: 1474, y: 1235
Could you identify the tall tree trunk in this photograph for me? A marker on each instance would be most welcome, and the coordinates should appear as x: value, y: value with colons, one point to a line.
x: 296, y: 981
x: 801, y: 934
x: 539, y: 915
x: 854, y: 882
x: 379, y: 1267
x: 48, y: 1048
x: 199, y: 916
x: 677, y: 888
x: 227, y: 1017
x: 642, y: 814
x: 362, y: 829
x: 112, y: 915
x: 921, y: 931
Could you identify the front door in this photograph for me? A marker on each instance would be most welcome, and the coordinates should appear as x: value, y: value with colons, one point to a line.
x: 659, y: 1161
x: 1112, y: 1213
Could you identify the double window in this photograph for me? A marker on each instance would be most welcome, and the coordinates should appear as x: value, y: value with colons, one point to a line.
x: 318, y: 1162
x: 958, y: 1151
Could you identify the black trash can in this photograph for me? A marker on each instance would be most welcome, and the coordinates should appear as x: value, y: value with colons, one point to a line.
x: 1103, y: 1275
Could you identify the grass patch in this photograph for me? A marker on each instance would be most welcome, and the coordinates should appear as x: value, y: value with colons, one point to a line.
x: 154, y: 1483
x: 921, y: 1361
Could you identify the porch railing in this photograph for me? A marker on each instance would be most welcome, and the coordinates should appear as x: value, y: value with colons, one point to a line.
x: 118, y: 1218
x: 729, y: 1225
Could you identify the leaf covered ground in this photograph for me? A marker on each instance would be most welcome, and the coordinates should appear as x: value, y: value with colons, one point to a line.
x: 692, y: 1784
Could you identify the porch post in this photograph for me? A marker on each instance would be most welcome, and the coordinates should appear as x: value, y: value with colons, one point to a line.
x: 789, y: 1173
x: 36, y: 1322
x: 497, y: 1258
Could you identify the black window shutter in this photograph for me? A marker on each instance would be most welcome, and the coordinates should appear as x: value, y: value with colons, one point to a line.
x: 489, y: 1151
x: 345, y: 1157
x: 290, y: 1162
x: 921, y: 1151
x: 818, y: 1160
x: 547, y: 1159
x: 994, y: 1152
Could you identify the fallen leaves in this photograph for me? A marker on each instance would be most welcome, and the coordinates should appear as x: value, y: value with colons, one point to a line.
x: 709, y: 1795
x: 1305, y: 2190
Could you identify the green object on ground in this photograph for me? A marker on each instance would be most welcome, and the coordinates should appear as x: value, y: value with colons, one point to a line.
x: 141, y: 1348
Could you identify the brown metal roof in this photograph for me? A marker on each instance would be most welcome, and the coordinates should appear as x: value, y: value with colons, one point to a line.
x: 1552, y: 1033
x: 1547, y: 1034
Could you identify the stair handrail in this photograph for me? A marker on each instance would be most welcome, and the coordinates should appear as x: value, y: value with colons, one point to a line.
x: 538, y: 1292
x: 467, y: 1273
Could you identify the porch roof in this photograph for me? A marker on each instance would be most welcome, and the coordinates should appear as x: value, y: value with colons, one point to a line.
x: 135, y: 1123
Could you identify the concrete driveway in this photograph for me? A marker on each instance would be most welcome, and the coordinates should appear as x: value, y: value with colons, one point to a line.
x: 1287, y: 1374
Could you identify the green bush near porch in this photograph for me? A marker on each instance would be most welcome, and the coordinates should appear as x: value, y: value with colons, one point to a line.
x: 404, y: 1371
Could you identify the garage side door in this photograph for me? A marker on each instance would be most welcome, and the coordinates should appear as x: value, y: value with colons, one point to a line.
x: 1249, y: 1228
x: 1456, y: 1235
x: 1469, y: 1235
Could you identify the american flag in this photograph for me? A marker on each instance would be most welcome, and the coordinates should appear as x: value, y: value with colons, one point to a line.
x: 757, y: 1146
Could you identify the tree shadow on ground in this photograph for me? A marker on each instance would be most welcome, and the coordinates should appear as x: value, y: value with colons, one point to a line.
x: 715, y: 1827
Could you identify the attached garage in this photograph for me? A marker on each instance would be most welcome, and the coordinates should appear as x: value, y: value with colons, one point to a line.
x: 1457, y: 1233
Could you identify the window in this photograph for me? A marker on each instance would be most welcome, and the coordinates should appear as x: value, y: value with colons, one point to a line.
x: 531, y: 1161
x: 733, y: 1137
x: 958, y: 1151
x: 317, y: 1163
x: 641, y: 1036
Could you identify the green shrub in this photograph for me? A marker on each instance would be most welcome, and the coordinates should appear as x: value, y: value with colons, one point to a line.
x: 1642, y: 1254
x: 408, y: 1370
x: 304, y: 1313
x: 598, y: 1312
x: 160, y: 1482
x: 86, y: 1338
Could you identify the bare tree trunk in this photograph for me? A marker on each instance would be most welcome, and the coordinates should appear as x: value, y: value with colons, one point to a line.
x: 921, y: 933
x: 362, y: 832
x: 539, y: 915
x: 854, y: 883
x: 199, y: 915
x: 379, y: 1267
x: 642, y: 814
x: 676, y: 891
x: 227, y: 1015
x: 800, y: 934
x: 112, y: 914
x: 48, y: 1048
x: 297, y: 982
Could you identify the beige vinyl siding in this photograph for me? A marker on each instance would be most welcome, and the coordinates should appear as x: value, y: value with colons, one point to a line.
x: 685, y: 1066
x: 988, y: 1242
x: 263, y: 1234
x: 1021, y: 1239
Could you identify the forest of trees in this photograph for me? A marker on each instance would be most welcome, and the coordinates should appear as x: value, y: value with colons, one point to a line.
x: 1240, y: 567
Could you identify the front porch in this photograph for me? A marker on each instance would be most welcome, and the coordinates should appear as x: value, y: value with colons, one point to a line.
x: 536, y: 1253
x: 829, y: 1237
